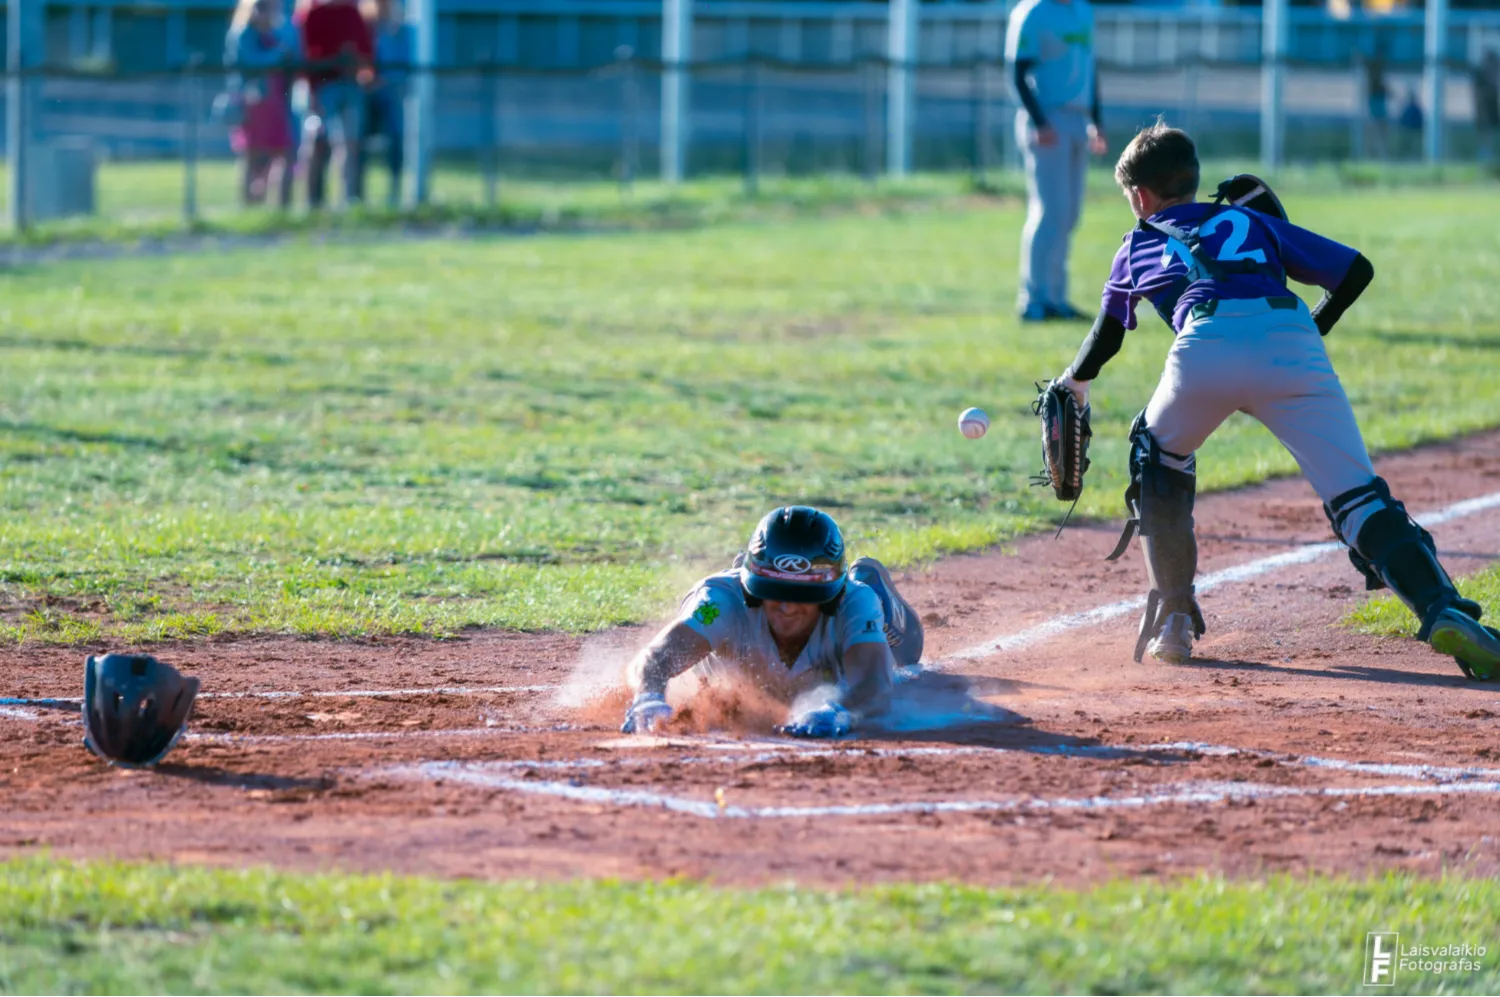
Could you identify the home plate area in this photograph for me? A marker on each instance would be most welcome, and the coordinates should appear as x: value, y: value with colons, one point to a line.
x: 1029, y: 747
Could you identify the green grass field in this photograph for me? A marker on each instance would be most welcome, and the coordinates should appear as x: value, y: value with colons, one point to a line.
x: 421, y: 435
x: 156, y: 929
x: 376, y: 435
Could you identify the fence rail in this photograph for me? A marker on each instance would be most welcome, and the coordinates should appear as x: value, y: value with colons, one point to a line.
x: 752, y: 116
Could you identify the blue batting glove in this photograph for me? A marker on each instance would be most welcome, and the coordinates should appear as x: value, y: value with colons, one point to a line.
x: 828, y: 720
x: 646, y: 711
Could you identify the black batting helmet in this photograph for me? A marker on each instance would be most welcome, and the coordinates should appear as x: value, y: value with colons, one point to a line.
x: 1246, y: 190
x: 796, y: 554
x: 134, y: 708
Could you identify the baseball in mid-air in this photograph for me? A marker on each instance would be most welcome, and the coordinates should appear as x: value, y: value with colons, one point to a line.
x: 973, y: 423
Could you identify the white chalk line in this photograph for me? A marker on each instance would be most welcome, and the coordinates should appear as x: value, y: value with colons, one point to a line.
x: 11, y: 713
x: 1239, y: 573
x: 454, y: 690
x: 792, y: 753
x: 1181, y: 793
x: 1436, y: 773
x: 1439, y: 773
x: 376, y: 735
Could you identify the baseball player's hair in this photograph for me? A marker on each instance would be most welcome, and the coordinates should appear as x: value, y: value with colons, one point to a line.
x: 1163, y: 160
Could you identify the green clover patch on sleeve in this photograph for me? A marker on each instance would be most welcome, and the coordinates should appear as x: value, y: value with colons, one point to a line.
x: 706, y: 612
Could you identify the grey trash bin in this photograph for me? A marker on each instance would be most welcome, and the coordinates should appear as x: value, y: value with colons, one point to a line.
x: 61, y: 178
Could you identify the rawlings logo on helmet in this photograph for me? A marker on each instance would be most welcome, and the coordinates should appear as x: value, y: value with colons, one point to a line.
x: 794, y: 564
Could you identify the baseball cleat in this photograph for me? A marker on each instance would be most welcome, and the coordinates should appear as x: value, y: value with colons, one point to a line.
x: 1035, y: 313
x: 903, y: 628
x: 1174, y: 644
x: 1473, y: 645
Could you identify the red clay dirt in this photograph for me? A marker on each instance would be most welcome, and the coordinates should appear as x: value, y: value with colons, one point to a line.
x: 1055, y: 776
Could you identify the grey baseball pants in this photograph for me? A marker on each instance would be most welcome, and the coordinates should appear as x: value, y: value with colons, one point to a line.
x: 1054, y: 192
x: 1270, y: 363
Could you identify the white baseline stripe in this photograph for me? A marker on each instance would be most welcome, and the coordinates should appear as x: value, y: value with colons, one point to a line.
x: 1440, y: 773
x: 1172, y: 794
x: 11, y: 713
x: 373, y: 735
x: 1238, y: 573
x: 455, y: 690
x: 1435, y: 773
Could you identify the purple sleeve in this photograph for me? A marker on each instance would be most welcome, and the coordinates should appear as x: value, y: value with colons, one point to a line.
x: 1119, y: 291
x: 1308, y: 257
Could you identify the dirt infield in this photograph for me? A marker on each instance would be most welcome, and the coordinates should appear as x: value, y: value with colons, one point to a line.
x: 1291, y: 745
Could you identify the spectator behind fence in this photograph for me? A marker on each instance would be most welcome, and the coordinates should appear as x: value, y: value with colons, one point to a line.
x: 1378, y: 100
x: 1411, y: 124
x: 385, y: 103
x: 259, y: 46
x: 1487, y: 105
x: 337, y: 46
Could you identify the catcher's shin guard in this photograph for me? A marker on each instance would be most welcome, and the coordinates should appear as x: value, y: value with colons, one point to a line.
x: 1160, y: 499
x: 1393, y: 552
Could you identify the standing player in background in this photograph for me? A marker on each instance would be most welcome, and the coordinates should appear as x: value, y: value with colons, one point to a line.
x: 1216, y: 274
x: 1050, y: 46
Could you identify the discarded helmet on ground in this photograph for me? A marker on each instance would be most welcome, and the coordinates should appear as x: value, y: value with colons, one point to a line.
x: 134, y: 708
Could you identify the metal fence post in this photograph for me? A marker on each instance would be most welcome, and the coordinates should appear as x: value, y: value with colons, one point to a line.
x: 630, y: 135
x: 753, y: 125
x: 421, y: 102
x: 24, y: 50
x: 490, y: 84
x: 190, y: 139
x: 1357, y: 115
x: 871, y: 156
x: 981, y: 114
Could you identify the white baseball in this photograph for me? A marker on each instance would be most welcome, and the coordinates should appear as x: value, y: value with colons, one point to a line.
x: 973, y: 423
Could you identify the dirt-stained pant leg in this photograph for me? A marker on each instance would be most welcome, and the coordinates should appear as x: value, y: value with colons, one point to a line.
x: 1270, y: 363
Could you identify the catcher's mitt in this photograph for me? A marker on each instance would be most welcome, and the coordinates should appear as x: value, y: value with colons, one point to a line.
x: 1065, y: 440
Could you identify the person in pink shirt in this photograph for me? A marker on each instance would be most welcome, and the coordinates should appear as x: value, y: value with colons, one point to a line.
x: 259, y: 47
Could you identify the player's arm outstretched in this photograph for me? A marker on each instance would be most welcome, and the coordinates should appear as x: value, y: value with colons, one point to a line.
x: 676, y: 649
x: 865, y: 692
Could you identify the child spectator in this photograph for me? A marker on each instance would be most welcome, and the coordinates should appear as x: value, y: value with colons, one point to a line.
x: 385, y: 117
x: 259, y: 47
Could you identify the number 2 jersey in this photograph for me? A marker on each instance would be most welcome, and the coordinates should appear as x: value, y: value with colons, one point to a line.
x: 1153, y: 265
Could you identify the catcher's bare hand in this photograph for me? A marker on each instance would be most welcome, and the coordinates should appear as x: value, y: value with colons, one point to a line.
x: 1079, y: 388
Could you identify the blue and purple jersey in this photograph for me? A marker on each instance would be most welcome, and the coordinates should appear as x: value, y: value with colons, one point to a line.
x: 1161, y: 269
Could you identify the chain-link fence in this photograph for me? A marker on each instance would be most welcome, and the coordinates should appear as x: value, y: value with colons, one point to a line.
x: 151, y: 147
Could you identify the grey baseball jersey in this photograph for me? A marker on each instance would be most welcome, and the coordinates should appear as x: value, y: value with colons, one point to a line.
x: 741, y: 641
x: 1059, y: 38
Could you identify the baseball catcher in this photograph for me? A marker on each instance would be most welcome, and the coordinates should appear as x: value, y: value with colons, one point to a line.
x: 1217, y: 274
x: 134, y: 708
x: 797, y: 621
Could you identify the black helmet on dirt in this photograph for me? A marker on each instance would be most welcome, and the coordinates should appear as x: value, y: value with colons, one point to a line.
x: 1246, y: 190
x: 796, y: 554
x: 134, y: 708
